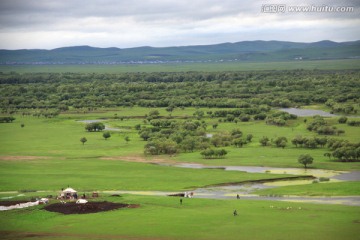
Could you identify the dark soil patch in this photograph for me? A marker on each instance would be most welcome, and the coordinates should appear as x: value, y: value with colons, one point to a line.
x: 90, y: 207
x: 115, y: 195
x: 306, y: 177
x: 177, y: 195
x: 11, y: 235
x: 11, y: 203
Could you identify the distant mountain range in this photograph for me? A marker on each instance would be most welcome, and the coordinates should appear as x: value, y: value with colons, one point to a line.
x: 251, y: 51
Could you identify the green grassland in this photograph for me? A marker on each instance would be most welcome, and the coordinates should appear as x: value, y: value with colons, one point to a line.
x: 61, y: 159
x: 88, y: 174
x: 165, y: 218
x: 59, y: 138
x: 185, y: 67
x: 46, y: 155
x: 57, y: 157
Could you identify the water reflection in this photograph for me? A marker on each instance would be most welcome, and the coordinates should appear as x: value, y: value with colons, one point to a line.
x: 306, y: 112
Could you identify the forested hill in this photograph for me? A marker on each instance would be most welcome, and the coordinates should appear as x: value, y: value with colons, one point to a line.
x: 254, y: 51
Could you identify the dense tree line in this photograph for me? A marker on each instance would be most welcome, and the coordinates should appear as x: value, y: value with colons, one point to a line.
x: 309, y: 142
x: 341, y: 150
x: 252, y: 92
x: 213, y: 153
x: 320, y: 126
x: 94, y: 127
x: 165, y: 136
x: 6, y: 119
x: 279, y: 118
x: 354, y: 123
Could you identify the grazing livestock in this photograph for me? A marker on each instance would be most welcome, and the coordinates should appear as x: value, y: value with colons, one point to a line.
x: 81, y: 201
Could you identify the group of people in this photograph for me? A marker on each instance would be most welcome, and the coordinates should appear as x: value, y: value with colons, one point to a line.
x: 69, y: 196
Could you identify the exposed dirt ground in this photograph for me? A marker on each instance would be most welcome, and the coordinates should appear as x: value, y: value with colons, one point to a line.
x: 13, y: 235
x: 90, y: 207
x: 17, y: 158
x: 139, y: 159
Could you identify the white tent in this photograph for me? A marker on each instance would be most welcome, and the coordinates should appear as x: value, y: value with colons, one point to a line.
x: 69, y: 193
x: 69, y: 190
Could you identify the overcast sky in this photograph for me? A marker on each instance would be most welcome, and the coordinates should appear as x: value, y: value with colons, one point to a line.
x: 48, y: 24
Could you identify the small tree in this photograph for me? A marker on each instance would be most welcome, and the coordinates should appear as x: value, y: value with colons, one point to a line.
x: 342, y: 119
x: 106, y: 135
x: 94, y: 126
x: 83, y: 140
x: 170, y: 108
x: 127, y: 139
x: 305, y: 159
x: 236, y: 133
x: 238, y: 142
x: 222, y: 152
x: 22, y: 125
x: 249, y: 137
x: 207, y: 153
x: 264, y: 141
x: 340, y: 131
x: 280, y: 142
x: 154, y: 114
x: 199, y: 114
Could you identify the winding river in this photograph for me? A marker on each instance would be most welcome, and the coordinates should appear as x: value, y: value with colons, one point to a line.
x: 245, y: 190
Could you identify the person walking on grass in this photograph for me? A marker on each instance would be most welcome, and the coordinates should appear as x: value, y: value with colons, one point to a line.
x: 180, y: 201
x: 235, y: 213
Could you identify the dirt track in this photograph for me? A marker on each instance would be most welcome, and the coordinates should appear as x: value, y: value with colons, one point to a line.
x: 21, y: 158
x: 138, y: 159
x: 11, y: 203
x: 90, y: 207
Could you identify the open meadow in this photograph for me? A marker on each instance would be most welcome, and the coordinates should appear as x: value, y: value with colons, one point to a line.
x: 157, y: 145
x: 46, y: 155
x: 341, y: 64
x: 165, y: 218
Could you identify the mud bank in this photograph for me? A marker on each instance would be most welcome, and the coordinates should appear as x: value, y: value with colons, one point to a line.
x: 262, y: 181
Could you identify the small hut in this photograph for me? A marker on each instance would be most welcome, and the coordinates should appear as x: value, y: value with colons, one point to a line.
x: 69, y: 193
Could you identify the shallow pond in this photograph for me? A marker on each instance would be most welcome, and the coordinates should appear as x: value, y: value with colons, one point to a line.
x: 272, y: 170
x: 107, y: 127
x: 306, y: 112
x: 90, y: 121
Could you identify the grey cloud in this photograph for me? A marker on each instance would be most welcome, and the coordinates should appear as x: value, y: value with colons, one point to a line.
x: 169, y: 22
x: 19, y: 13
x: 14, y: 13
